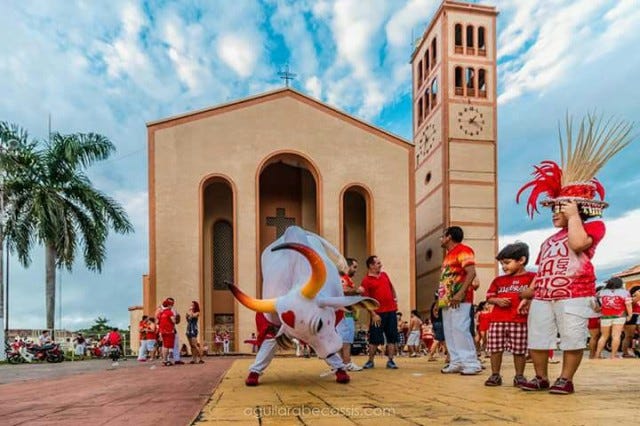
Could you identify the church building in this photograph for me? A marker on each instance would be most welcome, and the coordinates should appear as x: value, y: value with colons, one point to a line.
x: 226, y: 181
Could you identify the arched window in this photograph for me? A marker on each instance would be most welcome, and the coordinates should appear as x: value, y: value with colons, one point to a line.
x: 471, y: 84
x: 459, y: 82
x: 427, y: 102
x: 458, y: 38
x: 427, y: 63
x: 470, y: 49
x: 434, y: 56
x: 434, y: 93
x: 222, y: 254
x: 482, y: 48
x: 419, y: 82
x: 482, y: 83
x: 420, y: 112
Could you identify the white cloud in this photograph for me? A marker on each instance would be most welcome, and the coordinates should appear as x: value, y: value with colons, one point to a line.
x: 238, y: 52
x: 313, y: 85
x: 545, y: 42
x: 618, y: 250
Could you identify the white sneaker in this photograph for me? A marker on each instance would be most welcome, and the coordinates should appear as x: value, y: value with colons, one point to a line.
x: 470, y: 371
x: 451, y: 369
x: 353, y: 367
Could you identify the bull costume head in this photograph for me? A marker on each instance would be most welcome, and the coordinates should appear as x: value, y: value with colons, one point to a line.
x: 302, y: 286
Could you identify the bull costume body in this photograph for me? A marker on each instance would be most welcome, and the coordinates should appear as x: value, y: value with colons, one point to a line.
x: 303, y: 299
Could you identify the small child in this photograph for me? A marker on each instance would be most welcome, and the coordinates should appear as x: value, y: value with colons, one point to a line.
x: 508, y: 328
x: 484, y: 321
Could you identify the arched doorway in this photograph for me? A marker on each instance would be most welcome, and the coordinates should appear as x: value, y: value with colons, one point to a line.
x: 356, y: 226
x: 219, y: 259
x: 288, y: 195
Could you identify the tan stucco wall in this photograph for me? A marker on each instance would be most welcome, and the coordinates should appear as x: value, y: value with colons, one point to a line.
x: 234, y: 144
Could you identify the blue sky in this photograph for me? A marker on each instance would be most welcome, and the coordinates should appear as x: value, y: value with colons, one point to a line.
x: 110, y: 67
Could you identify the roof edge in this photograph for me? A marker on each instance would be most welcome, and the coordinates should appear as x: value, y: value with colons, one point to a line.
x: 286, y: 91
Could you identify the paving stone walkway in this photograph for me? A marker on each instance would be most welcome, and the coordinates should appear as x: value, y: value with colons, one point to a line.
x: 293, y: 392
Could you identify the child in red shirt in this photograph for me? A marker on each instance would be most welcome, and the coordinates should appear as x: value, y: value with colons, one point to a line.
x: 508, y: 329
x: 483, y: 321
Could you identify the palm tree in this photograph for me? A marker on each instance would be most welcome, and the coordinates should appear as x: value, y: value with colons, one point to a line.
x: 14, y: 149
x: 56, y: 205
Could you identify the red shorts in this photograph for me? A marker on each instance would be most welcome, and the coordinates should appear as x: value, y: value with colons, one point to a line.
x: 168, y: 339
x: 594, y: 323
x: 507, y: 336
x: 428, y: 341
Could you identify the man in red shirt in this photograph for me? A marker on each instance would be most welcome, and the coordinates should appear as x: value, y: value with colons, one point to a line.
x: 384, y: 323
x: 455, y: 296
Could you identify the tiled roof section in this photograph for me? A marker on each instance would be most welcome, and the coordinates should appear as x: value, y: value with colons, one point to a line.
x: 631, y: 271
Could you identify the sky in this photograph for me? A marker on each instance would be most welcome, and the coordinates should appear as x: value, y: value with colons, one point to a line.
x: 110, y: 67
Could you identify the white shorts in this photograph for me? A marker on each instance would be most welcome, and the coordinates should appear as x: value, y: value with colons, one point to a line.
x: 606, y: 322
x: 568, y: 318
x: 414, y: 338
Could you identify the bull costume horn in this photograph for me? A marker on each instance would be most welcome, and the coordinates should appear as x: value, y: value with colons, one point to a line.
x: 265, y: 306
x: 318, y: 270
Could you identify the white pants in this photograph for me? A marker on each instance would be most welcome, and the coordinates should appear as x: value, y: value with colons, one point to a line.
x: 457, y: 334
x: 225, y: 345
x: 268, y: 350
x: 176, y: 349
x: 142, y: 352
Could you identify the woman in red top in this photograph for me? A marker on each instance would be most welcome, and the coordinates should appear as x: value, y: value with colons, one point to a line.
x: 615, y: 302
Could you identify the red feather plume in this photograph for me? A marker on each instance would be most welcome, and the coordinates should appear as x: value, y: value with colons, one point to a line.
x: 547, y: 179
x: 599, y: 188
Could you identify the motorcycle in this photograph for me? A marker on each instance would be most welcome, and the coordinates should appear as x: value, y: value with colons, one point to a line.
x: 12, y: 351
x: 29, y: 352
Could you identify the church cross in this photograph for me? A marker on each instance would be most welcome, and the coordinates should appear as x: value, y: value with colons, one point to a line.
x: 286, y: 75
x: 280, y: 222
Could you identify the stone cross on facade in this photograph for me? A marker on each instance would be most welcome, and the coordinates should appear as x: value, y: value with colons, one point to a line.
x: 280, y: 222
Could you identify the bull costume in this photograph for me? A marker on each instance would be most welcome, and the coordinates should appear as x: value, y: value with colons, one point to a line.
x: 563, y: 289
x: 303, y: 299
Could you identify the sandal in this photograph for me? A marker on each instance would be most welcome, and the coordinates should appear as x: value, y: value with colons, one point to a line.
x: 201, y: 362
x: 167, y: 363
x: 192, y: 362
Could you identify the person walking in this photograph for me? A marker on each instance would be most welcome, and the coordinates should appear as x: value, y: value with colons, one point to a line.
x: 384, y: 324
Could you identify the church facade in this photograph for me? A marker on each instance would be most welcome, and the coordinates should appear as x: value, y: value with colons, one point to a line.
x: 226, y: 181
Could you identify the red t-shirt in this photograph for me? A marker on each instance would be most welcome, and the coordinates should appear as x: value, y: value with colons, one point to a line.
x: 563, y: 274
x: 636, y: 308
x: 381, y: 289
x: 509, y: 286
x: 613, y: 302
x: 453, y: 274
x: 347, y: 283
x: 113, y: 338
x: 484, y: 320
x: 165, y: 325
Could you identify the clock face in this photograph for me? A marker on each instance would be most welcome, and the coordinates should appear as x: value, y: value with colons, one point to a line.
x: 426, y: 142
x: 471, y: 120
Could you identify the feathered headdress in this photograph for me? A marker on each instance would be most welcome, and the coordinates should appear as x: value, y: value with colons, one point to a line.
x: 575, y: 179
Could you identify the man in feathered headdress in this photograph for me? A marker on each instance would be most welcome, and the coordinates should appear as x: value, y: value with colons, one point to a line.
x: 564, y: 286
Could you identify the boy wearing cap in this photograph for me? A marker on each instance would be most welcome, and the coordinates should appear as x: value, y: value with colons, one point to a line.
x: 564, y: 287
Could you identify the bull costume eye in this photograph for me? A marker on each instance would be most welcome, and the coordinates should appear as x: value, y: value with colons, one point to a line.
x: 319, y: 326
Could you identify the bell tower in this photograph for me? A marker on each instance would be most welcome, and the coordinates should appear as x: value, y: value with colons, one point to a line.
x: 455, y: 137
